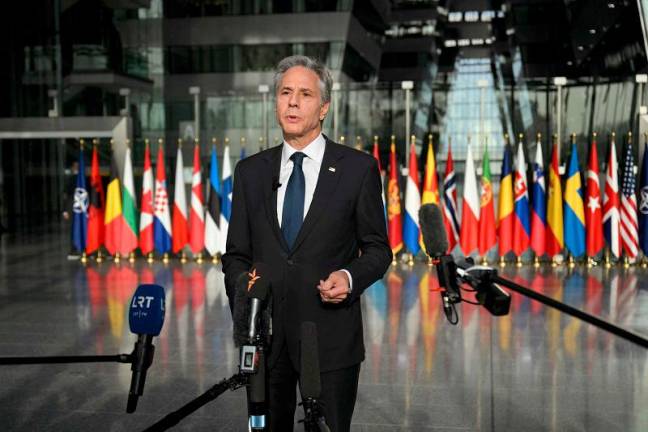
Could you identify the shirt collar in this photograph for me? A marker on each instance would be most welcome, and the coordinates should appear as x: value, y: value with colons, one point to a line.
x: 314, y: 150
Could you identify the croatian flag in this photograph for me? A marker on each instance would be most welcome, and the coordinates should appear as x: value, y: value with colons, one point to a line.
x: 162, y: 216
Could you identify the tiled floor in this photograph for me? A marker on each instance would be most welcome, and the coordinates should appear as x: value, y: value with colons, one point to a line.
x: 533, y: 370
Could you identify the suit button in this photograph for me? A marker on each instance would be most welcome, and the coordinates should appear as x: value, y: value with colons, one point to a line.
x: 290, y: 262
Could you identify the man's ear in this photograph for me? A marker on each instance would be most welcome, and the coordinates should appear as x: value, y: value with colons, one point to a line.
x: 324, y: 110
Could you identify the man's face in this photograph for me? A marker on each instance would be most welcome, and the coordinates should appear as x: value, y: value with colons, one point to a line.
x: 299, y: 108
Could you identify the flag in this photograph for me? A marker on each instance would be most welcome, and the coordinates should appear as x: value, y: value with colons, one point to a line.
x: 95, y: 237
x: 487, y: 211
x: 212, y: 216
x: 128, y: 237
x: 179, y: 227
x: 643, y: 203
x: 394, y: 217
x: 162, y: 217
x: 521, y: 222
x: 113, y: 218
x: 80, y: 208
x: 376, y: 155
x: 197, y: 211
x: 629, y: 234
x: 470, y: 209
x: 430, y: 183
x: 411, y: 230
x: 554, y: 208
x: 505, y: 206
x: 574, y: 213
x: 538, y: 208
x: 146, y: 215
x: 450, y: 219
x: 226, y: 198
x: 611, y: 217
x: 593, y: 214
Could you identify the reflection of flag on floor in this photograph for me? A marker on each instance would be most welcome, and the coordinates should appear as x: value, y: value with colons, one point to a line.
x: 611, y: 217
x: 629, y: 234
x: 394, y: 216
x: 470, y: 208
x: 80, y: 208
x: 487, y: 210
x: 96, y: 231
x: 162, y: 219
x: 643, y: 203
x: 593, y: 215
x: 538, y: 208
x: 505, y: 210
x: 573, y: 208
x: 521, y: 223
x: 554, y: 207
x: 451, y: 218
x: 411, y: 231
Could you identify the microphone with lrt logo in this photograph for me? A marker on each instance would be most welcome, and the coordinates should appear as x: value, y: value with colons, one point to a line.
x: 145, y: 318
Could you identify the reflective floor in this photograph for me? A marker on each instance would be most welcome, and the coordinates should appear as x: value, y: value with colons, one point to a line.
x: 533, y: 370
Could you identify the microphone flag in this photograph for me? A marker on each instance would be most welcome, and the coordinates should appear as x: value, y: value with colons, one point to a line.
x: 113, y: 217
x: 521, y: 222
x: 411, y: 230
x: 450, y: 219
x: 146, y: 216
x: 505, y: 209
x: 487, y: 209
x: 179, y: 221
x: 430, y: 183
x: 226, y: 198
x: 96, y: 231
x: 394, y: 216
x: 611, y: 217
x: 554, y: 207
x: 197, y: 211
x: 212, y: 216
x: 80, y: 208
x: 629, y: 233
x: 573, y: 209
x: 128, y: 237
x: 162, y: 217
x: 538, y: 207
x: 470, y: 208
x: 643, y: 203
x: 593, y: 214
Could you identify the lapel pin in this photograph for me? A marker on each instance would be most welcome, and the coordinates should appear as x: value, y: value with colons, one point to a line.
x: 332, y: 169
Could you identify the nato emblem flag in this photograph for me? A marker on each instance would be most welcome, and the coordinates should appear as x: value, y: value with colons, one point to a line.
x: 146, y: 312
x: 643, y: 203
x: 80, y: 209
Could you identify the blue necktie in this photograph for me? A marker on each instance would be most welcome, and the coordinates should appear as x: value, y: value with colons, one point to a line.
x: 293, y: 205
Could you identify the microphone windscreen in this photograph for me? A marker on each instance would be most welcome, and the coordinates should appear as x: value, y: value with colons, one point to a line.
x: 310, y: 370
x: 259, y: 281
x: 433, y: 230
x: 241, y: 313
x: 146, y: 312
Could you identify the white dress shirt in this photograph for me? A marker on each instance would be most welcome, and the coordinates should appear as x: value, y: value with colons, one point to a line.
x: 311, y: 165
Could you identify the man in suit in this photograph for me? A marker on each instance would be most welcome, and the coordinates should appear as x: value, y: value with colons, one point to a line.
x: 312, y: 211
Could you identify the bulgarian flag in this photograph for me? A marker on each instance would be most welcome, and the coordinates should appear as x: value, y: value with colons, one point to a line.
x: 128, y: 237
x: 179, y: 228
x: 113, y: 219
x: 394, y: 215
x: 96, y: 211
x: 487, y: 237
x: 146, y: 216
x: 468, y: 238
x: 197, y: 211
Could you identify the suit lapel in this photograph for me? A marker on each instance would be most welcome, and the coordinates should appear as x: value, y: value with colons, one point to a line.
x: 273, y: 167
x: 327, y: 181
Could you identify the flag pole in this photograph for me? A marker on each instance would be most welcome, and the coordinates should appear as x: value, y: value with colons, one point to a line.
x: 183, y: 255
x: 131, y: 255
x: 84, y: 256
x: 199, y: 258
x: 165, y: 255
x: 536, y: 259
x: 116, y: 258
x: 99, y: 259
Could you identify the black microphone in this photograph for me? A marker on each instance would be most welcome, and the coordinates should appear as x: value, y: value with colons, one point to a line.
x: 145, y: 318
x: 309, y: 378
x: 436, y: 246
x: 241, y: 310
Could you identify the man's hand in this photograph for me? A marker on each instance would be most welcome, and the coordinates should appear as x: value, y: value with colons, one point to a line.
x: 335, y: 288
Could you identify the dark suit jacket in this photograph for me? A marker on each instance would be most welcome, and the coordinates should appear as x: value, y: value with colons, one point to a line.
x: 343, y: 229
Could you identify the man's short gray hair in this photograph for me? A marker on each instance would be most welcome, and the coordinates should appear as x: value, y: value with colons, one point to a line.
x: 325, y: 79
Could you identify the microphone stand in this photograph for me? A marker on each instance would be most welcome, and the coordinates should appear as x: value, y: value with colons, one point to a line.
x: 232, y: 383
x: 118, y: 358
x: 314, y: 420
x: 486, y: 276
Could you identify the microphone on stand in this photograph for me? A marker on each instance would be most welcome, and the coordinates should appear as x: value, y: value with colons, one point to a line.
x: 145, y: 318
x: 311, y: 387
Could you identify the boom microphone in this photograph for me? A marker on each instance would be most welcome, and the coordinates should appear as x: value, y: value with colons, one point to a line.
x: 145, y: 318
x: 310, y: 379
